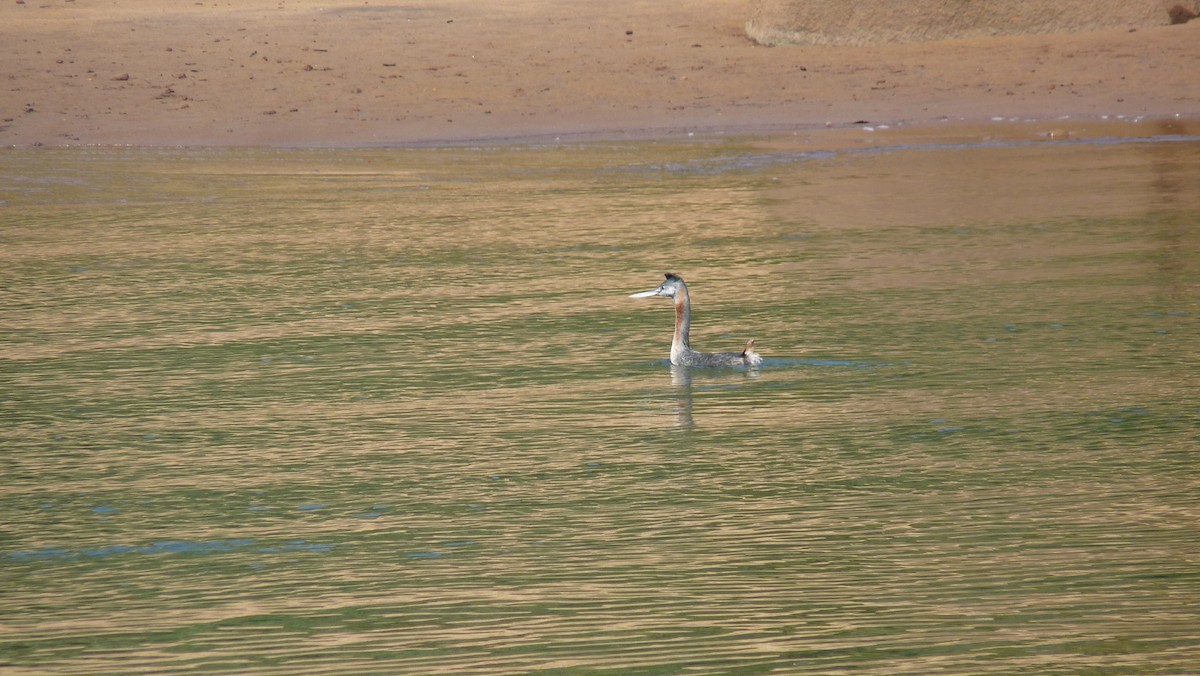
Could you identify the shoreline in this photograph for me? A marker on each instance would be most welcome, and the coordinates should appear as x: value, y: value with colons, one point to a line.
x: 862, y: 135
x: 828, y: 136
x: 300, y: 73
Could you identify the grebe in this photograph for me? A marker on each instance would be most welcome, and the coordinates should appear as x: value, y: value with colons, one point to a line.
x: 682, y: 353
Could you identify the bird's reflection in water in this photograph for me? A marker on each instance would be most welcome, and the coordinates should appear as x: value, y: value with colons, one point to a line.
x: 683, y: 381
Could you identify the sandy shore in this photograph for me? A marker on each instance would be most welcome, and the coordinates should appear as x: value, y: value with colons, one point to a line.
x: 308, y: 73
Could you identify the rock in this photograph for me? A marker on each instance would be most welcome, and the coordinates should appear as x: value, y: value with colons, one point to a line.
x: 1180, y: 14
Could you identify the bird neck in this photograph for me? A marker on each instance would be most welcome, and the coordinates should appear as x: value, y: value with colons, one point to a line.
x: 683, y: 320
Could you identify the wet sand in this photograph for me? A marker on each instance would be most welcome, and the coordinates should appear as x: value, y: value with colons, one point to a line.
x: 307, y: 73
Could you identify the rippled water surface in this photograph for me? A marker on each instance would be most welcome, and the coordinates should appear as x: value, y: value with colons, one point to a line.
x: 392, y: 411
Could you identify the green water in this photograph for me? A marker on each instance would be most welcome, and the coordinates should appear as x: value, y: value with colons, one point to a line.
x: 392, y: 411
